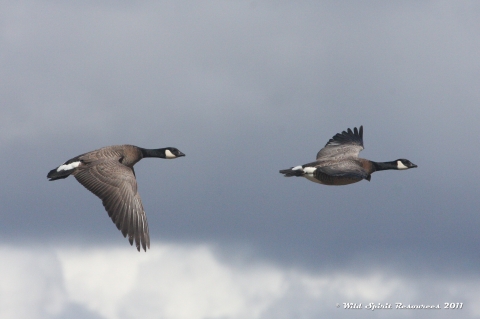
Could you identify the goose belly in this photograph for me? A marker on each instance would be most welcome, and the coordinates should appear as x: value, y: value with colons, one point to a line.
x: 325, y: 179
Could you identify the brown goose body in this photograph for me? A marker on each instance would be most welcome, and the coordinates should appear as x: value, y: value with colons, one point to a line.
x: 321, y: 176
x: 338, y: 162
x: 108, y: 173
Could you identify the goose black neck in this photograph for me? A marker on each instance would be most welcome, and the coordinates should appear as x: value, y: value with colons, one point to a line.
x: 381, y: 166
x: 159, y: 152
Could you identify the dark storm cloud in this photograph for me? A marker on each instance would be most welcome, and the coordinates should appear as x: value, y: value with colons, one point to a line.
x: 245, y: 90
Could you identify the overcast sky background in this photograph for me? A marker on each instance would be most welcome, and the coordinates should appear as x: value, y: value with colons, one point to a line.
x: 243, y: 88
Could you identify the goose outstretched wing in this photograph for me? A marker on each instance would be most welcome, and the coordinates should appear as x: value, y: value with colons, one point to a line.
x: 115, y: 184
x: 346, y: 144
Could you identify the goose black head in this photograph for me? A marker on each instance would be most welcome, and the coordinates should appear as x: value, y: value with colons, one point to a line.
x: 172, y: 152
x: 404, y: 164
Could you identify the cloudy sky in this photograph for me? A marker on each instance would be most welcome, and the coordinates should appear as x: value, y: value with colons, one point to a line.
x: 243, y: 88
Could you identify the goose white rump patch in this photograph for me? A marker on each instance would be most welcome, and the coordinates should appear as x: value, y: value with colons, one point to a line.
x: 67, y: 167
x: 309, y: 170
x: 306, y: 170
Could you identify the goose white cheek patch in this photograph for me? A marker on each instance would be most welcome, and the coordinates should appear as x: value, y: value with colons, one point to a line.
x: 66, y: 167
x: 401, y: 166
x: 296, y: 168
x: 169, y: 154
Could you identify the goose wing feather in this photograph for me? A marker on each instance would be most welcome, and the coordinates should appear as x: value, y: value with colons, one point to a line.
x: 346, y: 144
x: 116, y: 186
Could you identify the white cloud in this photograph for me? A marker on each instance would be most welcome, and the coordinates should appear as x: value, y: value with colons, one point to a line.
x: 170, y: 282
x: 179, y: 281
x: 31, y: 284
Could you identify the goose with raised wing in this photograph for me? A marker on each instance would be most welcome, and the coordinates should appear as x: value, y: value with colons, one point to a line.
x: 338, y: 162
